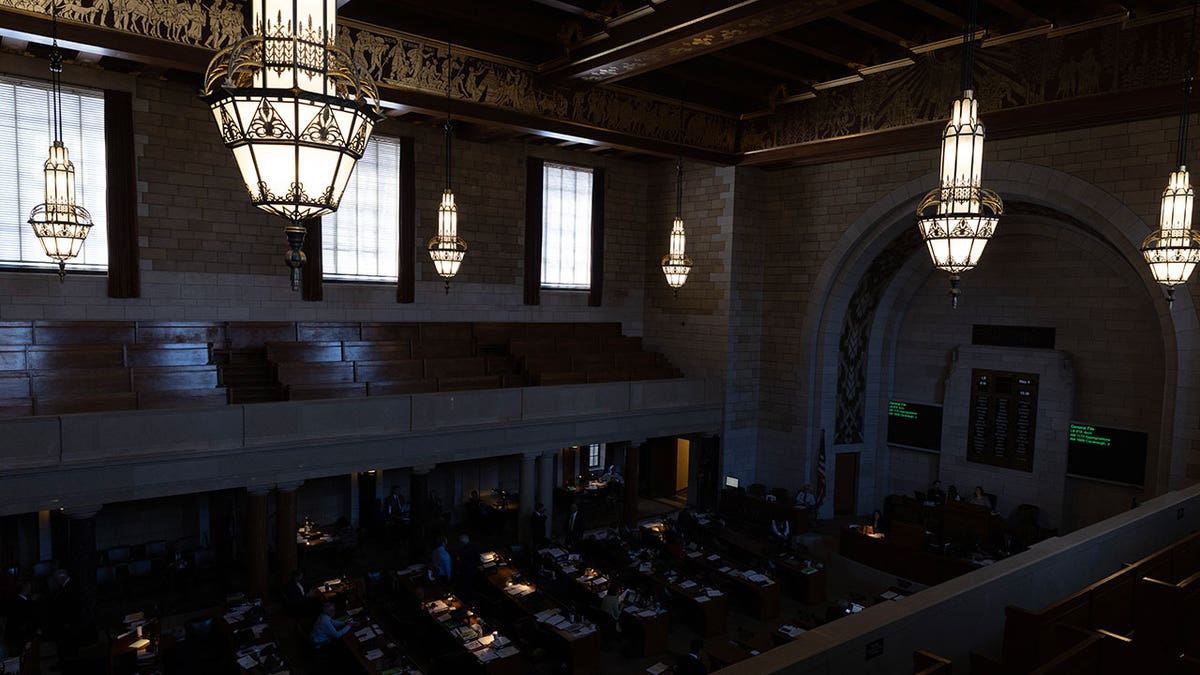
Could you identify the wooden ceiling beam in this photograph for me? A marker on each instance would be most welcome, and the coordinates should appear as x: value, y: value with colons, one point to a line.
x: 573, y: 9
x: 814, y: 52
x: 936, y: 12
x: 776, y: 73
x: 678, y: 31
x: 873, y: 30
x: 1015, y: 9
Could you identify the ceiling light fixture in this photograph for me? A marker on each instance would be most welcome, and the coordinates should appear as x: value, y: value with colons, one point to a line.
x: 296, y: 112
x: 958, y: 218
x: 60, y: 224
x: 676, y: 264
x: 446, y: 248
x: 1173, y: 250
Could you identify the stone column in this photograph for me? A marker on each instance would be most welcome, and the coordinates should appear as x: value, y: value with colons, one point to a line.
x: 545, y: 491
x: 633, y: 453
x: 285, y: 530
x: 256, y: 541
x: 82, y: 557
x: 528, y: 494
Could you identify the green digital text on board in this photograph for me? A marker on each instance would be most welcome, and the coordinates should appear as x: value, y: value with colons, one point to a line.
x: 901, y: 409
x: 1083, y: 433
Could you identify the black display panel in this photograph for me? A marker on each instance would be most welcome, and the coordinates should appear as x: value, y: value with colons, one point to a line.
x: 915, y: 425
x: 1116, y: 455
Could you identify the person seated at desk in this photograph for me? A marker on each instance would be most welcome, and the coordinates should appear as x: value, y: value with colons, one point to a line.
x: 935, y: 494
x: 952, y: 494
x: 325, y: 630
x: 980, y: 498
x: 295, y: 595
x: 781, y: 531
x: 439, y: 562
x: 805, y: 498
x: 611, y: 474
x: 693, y: 663
x: 877, y: 525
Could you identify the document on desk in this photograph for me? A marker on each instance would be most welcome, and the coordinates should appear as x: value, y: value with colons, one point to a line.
x: 701, y: 598
x: 687, y: 584
x: 364, y: 634
x: 247, y: 662
x: 887, y: 595
x: 647, y: 613
x: 374, y: 654
x: 507, y: 652
x: 657, y: 669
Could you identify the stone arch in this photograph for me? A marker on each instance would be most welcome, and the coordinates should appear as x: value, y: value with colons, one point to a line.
x: 1108, y: 220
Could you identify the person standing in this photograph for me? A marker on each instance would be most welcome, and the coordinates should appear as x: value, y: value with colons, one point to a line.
x: 575, y: 526
x: 538, y: 521
x: 439, y: 562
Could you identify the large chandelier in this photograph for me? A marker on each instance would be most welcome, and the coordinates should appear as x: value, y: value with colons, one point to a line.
x: 958, y: 218
x: 1173, y: 250
x: 676, y: 264
x: 296, y: 112
x: 60, y: 224
x: 446, y: 248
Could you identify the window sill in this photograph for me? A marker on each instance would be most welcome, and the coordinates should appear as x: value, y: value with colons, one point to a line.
x: 558, y: 289
x: 6, y: 268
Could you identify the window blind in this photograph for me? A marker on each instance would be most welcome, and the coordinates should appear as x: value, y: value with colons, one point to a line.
x: 25, y: 128
x: 566, y: 226
x: 360, y: 241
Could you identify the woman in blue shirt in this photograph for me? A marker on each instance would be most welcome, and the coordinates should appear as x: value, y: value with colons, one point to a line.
x: 325, y: 629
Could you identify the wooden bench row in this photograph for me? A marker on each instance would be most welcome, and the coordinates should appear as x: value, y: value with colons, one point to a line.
x: 1112, y: 604
x: 298, y: 392
x: 359, y: 350
x: 102, y: 355
x: 241, y: 334
x: 579, y: 344
x: 374, y: 371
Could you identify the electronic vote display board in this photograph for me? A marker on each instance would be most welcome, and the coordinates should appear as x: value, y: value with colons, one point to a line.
x: 1104, y: 453
x: 915, y: 425
x: 1002, y: 419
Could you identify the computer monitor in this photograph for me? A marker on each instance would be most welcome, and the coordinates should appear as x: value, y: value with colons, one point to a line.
x: 730, y: 481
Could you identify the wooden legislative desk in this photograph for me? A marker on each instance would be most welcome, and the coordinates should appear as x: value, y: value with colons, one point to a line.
x: 758, y: 512
x: 644, y: 624
x: 472, y: 637
x: 138, y: 642
x: 725, y: 653
x: 369, y: 642
x: 578, y: 643
x: 251, y: 639
x: 706, y: 608
x: 802, y: 579
x: 882, y: 554
x: 756, y: 592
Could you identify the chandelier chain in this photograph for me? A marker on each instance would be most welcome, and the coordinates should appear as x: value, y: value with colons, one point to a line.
x: 968, y: 61
x: 56, y: 68
x: 449, y: 123
x: 1185, y: 116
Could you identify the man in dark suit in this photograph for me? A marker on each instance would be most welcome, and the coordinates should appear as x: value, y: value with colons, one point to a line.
x: 692, y: 664
x: 575, y: 526
x: 537, y: 525
x: 68, y: 617
x: 22, y: 624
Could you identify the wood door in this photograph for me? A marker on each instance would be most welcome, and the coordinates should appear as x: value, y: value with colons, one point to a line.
x: 845, y: 483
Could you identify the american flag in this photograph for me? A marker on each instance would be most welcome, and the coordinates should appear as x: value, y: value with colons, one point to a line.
x: 819, y: 497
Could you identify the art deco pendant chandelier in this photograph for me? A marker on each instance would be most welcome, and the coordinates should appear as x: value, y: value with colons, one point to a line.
x: 60, y: 224
x: 1173, y: 250
x: 446, y: 248
x: 958, y: 218
x: 296, y: 112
